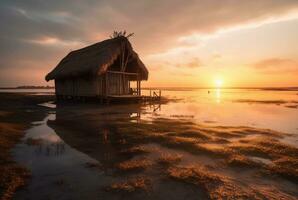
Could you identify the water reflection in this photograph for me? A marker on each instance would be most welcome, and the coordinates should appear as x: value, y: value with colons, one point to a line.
x: 218, y: 95
x: 54, y: 149
x: 94, y: 131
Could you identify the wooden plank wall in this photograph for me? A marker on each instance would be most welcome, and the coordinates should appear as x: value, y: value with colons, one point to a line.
x: 76, y: 87
x: 118, y: 84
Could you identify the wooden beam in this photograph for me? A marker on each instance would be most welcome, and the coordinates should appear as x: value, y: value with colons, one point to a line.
x: 138, y: 85
x: 126, y: 73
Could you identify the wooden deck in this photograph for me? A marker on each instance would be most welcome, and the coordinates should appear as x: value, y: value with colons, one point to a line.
x: 132, y: 98
x: 106, y: 99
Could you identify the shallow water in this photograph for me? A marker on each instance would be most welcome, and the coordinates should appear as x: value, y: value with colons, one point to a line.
x: 36, y: 91
x: 58, y: 170
x: 236, y: 107
x: 76, y: 151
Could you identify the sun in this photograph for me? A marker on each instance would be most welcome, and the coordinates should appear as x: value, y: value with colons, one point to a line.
x: 218, y: 83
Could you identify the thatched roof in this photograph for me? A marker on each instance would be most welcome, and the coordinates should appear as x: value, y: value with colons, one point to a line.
x: 96, y: 59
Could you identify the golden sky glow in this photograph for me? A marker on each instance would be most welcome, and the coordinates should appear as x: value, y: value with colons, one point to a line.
x: 195, y: 44
x: 252, y: 56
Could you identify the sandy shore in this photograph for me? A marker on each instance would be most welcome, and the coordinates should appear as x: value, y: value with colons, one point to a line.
x: 16, y: 113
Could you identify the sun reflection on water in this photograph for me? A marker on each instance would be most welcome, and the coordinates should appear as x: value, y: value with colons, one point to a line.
x: 218, y: 95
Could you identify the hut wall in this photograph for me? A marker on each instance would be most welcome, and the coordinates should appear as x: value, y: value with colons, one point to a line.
x: 99, y: 85
x: 76, y: 87
x: 85, y: 87
x: 64, y: 87
x: 118, y: 84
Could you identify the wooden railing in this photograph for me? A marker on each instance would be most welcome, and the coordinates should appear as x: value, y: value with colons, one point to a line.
x: 155, y: 94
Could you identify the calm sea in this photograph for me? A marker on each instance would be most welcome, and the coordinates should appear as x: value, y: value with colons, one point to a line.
x: 277, y: 110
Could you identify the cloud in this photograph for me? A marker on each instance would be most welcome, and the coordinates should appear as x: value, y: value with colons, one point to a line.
x: 47, y: 30
x: 192, y: 63
x: 276, y: 65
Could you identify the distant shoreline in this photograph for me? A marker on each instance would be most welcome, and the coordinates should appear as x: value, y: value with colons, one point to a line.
x: 169, y: 88
x: 211, y: 88
x: 27, y: 87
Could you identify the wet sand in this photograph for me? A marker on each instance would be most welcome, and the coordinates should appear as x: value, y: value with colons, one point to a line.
x: 132, y: 152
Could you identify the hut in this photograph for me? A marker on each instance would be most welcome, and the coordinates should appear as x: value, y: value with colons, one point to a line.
x: 103, y: 70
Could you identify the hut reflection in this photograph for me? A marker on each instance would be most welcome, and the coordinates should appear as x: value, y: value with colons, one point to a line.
x: 46, y: 148
x: 95, y: 132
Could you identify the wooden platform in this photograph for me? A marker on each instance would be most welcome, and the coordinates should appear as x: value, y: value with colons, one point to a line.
x: 131, y: 98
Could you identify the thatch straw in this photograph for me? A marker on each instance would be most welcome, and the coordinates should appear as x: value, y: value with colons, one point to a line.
x: 96, y: 59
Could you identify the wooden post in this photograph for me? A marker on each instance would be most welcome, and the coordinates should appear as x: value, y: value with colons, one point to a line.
x: 120, y: 83
x: 128, y: 86
x: 139, y: 87
x: 107, y: 84
x: 137, y: 84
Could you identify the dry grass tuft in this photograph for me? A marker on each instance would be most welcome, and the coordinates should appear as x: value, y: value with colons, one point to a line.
x: 131, y: 185
x: 132, y: 165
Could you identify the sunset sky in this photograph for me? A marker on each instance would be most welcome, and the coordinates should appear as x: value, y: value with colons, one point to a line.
x: 183, y: 43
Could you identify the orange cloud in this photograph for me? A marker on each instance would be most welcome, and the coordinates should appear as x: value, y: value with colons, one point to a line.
x: 276, y: 65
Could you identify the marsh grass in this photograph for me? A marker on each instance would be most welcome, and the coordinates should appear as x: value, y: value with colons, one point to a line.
x: 284, y: 157
x: 12, y: 178
x: 215, y: 186
x: 14, y: 120
x: 241, y: 161
x: 219, y: 187
x: 233, y: 144
x: 285, y: 167
x: 226, y: 148
x: 167, y: 159
x: 130, y: 185
x: 136, y: 150
x: 12, y: 175
x: 134, y: 165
